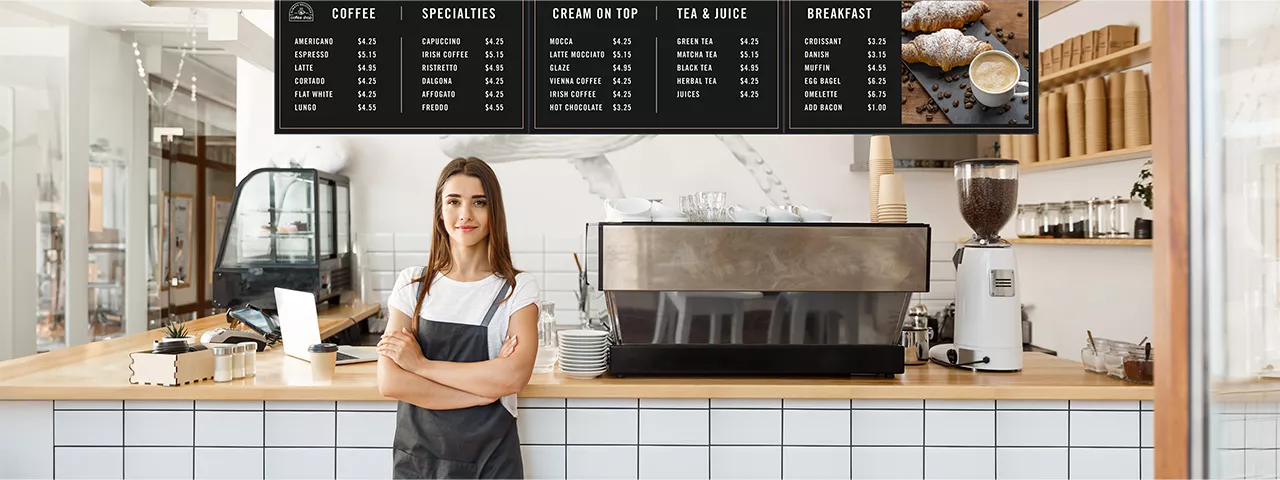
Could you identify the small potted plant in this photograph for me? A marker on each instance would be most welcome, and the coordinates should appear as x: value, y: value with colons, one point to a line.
x: 1142, y: 227
x: 176, y: 339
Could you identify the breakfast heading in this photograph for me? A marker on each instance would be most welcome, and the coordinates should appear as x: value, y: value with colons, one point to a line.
x: 838, y: 13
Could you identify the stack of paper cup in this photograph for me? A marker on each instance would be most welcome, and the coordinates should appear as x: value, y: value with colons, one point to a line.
x: 1075, y: 120
x: 880, y: 162
x: 1095, y: 116
x: 893, y: 202
x: 1137, y: 126
x: 1115, y: 111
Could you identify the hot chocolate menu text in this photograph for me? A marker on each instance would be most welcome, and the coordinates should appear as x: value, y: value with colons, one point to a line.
x: 582, y: 67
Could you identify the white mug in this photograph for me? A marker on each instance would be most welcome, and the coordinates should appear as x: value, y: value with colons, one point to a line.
x: 996, y: 99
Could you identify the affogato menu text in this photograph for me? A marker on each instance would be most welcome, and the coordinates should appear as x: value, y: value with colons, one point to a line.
x: 652, y: 67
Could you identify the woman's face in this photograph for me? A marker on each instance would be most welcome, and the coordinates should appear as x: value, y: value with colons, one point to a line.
x: 466, y: 210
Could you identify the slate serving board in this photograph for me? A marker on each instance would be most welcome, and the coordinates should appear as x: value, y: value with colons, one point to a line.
x: 928, y: 75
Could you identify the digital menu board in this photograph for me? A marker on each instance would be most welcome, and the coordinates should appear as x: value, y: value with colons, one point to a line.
x: 659, y: 66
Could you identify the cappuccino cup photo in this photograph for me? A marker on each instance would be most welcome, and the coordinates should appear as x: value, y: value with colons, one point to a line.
x: 994, y: 75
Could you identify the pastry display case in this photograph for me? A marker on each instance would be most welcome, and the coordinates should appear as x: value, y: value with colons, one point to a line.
x: 288, y: 228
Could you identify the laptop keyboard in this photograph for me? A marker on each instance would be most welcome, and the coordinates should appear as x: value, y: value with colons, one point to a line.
x: 343, y: 356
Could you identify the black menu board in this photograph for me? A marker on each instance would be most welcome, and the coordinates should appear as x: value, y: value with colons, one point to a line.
x: 609, y: 66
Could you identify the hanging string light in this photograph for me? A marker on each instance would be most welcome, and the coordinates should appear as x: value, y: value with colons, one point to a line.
x: 187, y: 47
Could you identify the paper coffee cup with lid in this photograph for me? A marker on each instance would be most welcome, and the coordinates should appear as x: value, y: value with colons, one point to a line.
x: 324, y: 358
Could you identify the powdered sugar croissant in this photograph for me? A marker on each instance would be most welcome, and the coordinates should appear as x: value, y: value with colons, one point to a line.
x: 934, y: 15
x: 947, y: 49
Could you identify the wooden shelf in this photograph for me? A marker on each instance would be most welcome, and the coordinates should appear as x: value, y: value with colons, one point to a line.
x: 1112, y: 156
x: 1048, y: 7
x: 1107, y: 242
x: 1123, y: 60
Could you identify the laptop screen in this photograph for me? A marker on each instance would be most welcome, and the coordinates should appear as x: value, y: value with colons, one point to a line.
x: 299, y: 322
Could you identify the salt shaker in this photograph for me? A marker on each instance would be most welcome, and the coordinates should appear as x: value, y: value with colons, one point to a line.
x: 250, y: 358
x: 222, y: 362
x: 237, y: 361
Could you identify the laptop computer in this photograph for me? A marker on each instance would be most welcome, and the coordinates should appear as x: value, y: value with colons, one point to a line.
x: 300, y: 328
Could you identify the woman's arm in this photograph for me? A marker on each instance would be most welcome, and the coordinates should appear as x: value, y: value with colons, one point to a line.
x: 395, y: 382
x: 501, y: 376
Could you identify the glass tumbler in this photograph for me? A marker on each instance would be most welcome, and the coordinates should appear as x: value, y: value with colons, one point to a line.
x: 548, y: 348
x: 1028, y: 221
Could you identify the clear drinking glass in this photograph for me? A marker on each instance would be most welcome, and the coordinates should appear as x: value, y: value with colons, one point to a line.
x: 548, y: 351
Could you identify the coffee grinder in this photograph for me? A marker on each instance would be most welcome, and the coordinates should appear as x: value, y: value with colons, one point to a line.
x: 988, y: 331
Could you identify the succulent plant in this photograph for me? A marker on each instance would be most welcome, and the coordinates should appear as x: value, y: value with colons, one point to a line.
x: 175, y: 329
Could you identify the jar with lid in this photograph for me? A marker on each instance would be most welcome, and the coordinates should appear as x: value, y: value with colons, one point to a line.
x: 1050, y: 216
x: 1074, y: 220
x: 1092, y: 355
x: 1138, y: 365
x: 1114, y: 358
x: 1028, y: 221
x: 1119, y: 222
x: 237, y: 361
x: 250, y: 358
x: 222, y: 362
x: 1096, y: 209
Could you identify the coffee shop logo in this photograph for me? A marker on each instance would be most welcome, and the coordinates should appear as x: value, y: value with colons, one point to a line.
x: 301, y: 12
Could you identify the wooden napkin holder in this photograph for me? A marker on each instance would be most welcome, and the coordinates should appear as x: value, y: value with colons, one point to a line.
x: 171, y: 370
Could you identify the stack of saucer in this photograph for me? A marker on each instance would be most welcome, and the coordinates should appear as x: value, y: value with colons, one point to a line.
x: 584, y: 354
x: 893, y: 202
x: 879, y: 163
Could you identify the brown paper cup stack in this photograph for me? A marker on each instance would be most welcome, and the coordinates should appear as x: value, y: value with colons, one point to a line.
x: 1095, y: 115
x: 893, y: 200
x: 1007, y: 150
x: 879, y: 162
x: 1115, y: 113
x: 1027, y: 153
x: 1057, y: 125
x: 1042, y: 140
x: 1075, y: 119
x: 1137, y: 121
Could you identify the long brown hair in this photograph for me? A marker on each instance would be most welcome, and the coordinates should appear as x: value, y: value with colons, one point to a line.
x: 441, y: 250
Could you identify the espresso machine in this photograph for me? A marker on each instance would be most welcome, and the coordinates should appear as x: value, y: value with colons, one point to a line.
x: 757, y: 298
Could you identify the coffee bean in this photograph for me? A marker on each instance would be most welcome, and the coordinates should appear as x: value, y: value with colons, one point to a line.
x: 966, y: 74
x: 1027, y: 53
x: 1013, y: 122
x: 987, y: 33
x: 919, y: 110
x: 904, y: 101
x: 1004, y: 41
x: 944, y: 109
x: 1005, y: 106
x: 939, y: 96
x: 905, y: 79
x: 955, y: 103
x: 928, y: 118
x: 987, y: 203
x: 964, y: 85
x: 1000, y: 36
x: 1010, y: 36
x: 984, y: 108
x: 1026, y: 117
x: 999, y: 29
x: 911, y: 87
x: 1024, y: 100
x: 935, y: 87
x: 968, y: 105
x: 1019, y: 13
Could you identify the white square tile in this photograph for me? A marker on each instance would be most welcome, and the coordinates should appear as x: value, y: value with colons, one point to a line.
x: 560, y: 263
x: 746, y: 462
x: 351, y: 406
x: 746, y: 403
x: 602, y: 462
x: 413, y: 242
x: 815, y: 403
x: 531, y: 244
x: 88, y: 405
x: 299, y: 463
x: 301, y: 406
x: 603, y: 403
x: 567, y: 282
x: 380, y: 262
x: 382, y: 280
x: 228, y: 429
x: 1149, y: 430
x: 1148, y: 463
x: 541, y: 402
x: 541, y: 426
x: 960, y: 404
x: 158, y: 462
x: 562, y: 299
x: 1031, y: 463
x: 300, y: 429
x: 888, y: 463
x: 564, y: 244
x: 228, y: 463
x: 1148, y: 405
x: 1231, y: 464
x: 888, y: 404
x: 1259, y: 433
x: 1032, y: 428
x: 602, y: 426
x: 1032, y: 404
x: 376, y: 242
x: 159, y: 428
x: 95, y: 463
x: 409, y: 260
x: 364, y: 463
x: 366, y: 429
x: 1105, y: 429
x: 942, y: 271
x: 888, y: 427
x: 1260, y: 463
x: 529, y: 262
x: 238, y: 405
x: 746, y: 427
x: 159, y: 405
x: 816, y: 462
x: 543, y: 461
x: 959, y: 463
x: 1105, y: 404
x: 1105, y: 463
x: 78, y: 428
x: 675, y: 403
x: 816, y: 427
x: 941, y: 251
x: 675, y: 427
x: 675, y: 463
x: 29, y: 455
x: 959, y: 428
x: 1232, y: 431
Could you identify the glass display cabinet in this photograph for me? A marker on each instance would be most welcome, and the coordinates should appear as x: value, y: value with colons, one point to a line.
x: 289, y: 228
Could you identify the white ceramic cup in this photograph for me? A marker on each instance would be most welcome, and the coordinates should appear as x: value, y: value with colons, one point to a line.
x: 996, y: 99
x: 323, y: 357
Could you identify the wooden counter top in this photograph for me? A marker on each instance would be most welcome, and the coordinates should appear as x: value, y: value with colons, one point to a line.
x: 100, y: 371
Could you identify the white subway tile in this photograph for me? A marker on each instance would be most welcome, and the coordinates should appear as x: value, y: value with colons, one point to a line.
x: 959, y: 428
x: 565, y: 301
x: 29, y: 455
x: 77, y: 428
x: 1148, y: 429
x: 376, y: 242
x: 566, y: 282
x: 1233, y: 406
x: 1105, y: 463
x: 364, y: 463
x: 409, y: 260
x: 1233, y: 431
x: 675, y: 427
x: 93, y: 463
x: 602, y: 462
x: 816, y: 462
x: 1231, y: 464
x: 960, y: 404
x: 888, y: 404
x: 1032, y: 429
x: 1105, y: 429
x: 376, y: 406
x: 1148, y: 405
x: 602, y: 426
x: 88, y: 405
x: 888, y: 427
x: 1148, y: 464
x: 413, y: 243
x: 959, y: 463
x: 300, y: 429
x: 1259, y: 433
x: 545, y: 426
x: 888, y: 463
x: 245, y: 405
x: 366, y: 429
x: 740, y: 463
x: 675, y: 403
x: 746, y: 427
x: 942, y: 271
x: 1031, y: 463
x: 675, y: 463
x: 159, y: 405
x: 1105, y: 404
x: 942, y: 251
x: 541, y: 402
x: 1260, y: 463
x: 560, y: 263
x: 603, y: 403
x: 228, y: 429
x: 1032, y: 404
x: 302, y: 406
x: 159, y: 428
x: 299, y: 463
x: 527, y: 243
x: 816, y: 427
x: 940, y: 290
x: 228, y: 463
x: 746, y: 403
x: 382, y: 280
x: 159, y: 463
x: 815, y: 403
x: 543, y: 461
x: 529, y: 262
x: 380, y: 262
x: 564, y: 244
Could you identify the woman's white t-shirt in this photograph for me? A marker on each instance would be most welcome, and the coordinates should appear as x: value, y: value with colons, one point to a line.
x: 466, y: 303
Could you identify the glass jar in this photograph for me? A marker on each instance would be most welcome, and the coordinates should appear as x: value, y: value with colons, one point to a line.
x: 1098, y: 220
x: 1119, y: 221
x: 1114, y: 358
x: 1138, y: 366
x: 1028, y: 221
x: 1074, y: 220
x: 250, y: 358
x: 1092, y: 355
x: 1050, y: 217
x: 548, y: 349
x: 222, y: 362
x: 237, y: 361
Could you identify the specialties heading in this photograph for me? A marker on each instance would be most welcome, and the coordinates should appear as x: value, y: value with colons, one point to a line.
x: 459, y: 13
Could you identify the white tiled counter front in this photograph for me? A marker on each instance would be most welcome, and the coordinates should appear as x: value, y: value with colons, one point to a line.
x: 593, y: 438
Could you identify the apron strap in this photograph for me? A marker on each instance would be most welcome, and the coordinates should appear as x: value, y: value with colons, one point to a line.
x: 494, y: 308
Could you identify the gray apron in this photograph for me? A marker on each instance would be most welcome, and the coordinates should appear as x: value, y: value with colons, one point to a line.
x: 474, y: 442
